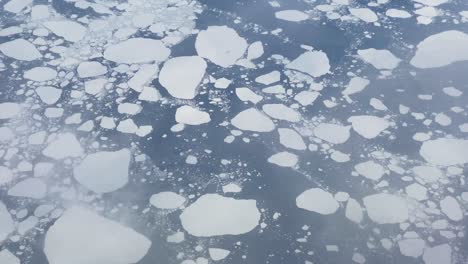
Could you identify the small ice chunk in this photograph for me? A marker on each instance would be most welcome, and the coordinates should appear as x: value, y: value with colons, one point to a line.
x: 6, y: 134
x: 231, y: 188
x: 43, y: 169
x: 291, y: 139
x: 451, y: 208
x: 428, y: 174
x: 395, y: 209
x: 191, y: 116
x: 370, y: 170
x: 314, y: 63
x: 255, y: 50
x: 9, y: 110
x: 182, y: 75
x: 281, y: 112
x: 416, y: 191
x: 48, y: 94
x: 284, y: 159
x: 149, y: 94
x: 339, y: 156
x: 317, y: 200
x: 431, y: 2
x: 441, y: 254
x: 70, y: 30
x: 6, y: 222
x: 441, y: 49
x: 127, y: 126
x: 216, y: 215
x: 91, y: 69
x: 442, y: 119
x: 39, y: 12
x: 129, y: 108
x: 176, y: 237
x: 269, y: 78
x: 40, y: 74
x: 217, y: 254
x: 356, y: 85
x: 29, y: 188
x: 445, y: 151
x: 333, y: 133
x: 104, y: 171
x: 167, y: 200
x: 82, y: 236
x: 143, y: 76
x: 63, y: 146
x: 253, y: 120
x: 368, y: 126
x: 137, y: 50
x: 381, y: 59
x: 221, y: 45
x: 222, y: 83
x: 291, y: 15
x: 452, y: 91
x: 20, y: 49
x: 364, y: 14
x: 95, y: 87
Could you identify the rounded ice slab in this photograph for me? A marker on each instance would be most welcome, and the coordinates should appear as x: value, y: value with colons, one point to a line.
x: 20, y: 49
x: 221, y: 45
x: 104, y: 172
x: 137, y: 50
x: 379, y: 58
x: 69, y: 30
x: 317, y: 200
x: 441, y: 50
x: 182, y: 75
x: 216, y: 215
x: 253, y: 120
x: 445, y: 151
x: 167, y: 200
x: 191, y: 116
x: 81, y: 236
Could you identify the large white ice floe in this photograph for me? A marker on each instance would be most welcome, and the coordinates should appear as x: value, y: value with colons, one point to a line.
x: 253, y: 120
x: 40, y: 74
x: 137, y: 50
x: 314, y: 63
x: 291, y: 139
x: 441, y: 49
x: 284, y: 159
x: 379, y: 58
x: 63, y: 146
x: 182, y: 75
x: 317, y: 200
x: 20, y: 49
x: 82, y: 236
x: 281, y: 112
x: 364, y: 14
x: 386, y: 208
x: 189, y: 115
x: 221, y: 45
x: 445, y: 151
x: 69, y: 30
x: 104, y: 171
x: 216, y: 215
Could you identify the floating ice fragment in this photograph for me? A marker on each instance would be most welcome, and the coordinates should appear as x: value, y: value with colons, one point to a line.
x: 64, y: 146
x: 91, y: 69
x: 104, y: 171
x: 245, y: 94
x: 441, y: 254
x: 412, y: 247
x: 314, y: 63
x: 143, y: 76
x: 82, y: 236
x: 221, y: 45
x: 269, y: 78
x: 291, y: 15
x: 40, y: 74
x: 48, y: 94
x: 20, y: 49
x: 29, y: 188
x: 441, y: 49
x: 368, y: 126
x: 9, y: 110
x: 137, y: 50
x: 355, y: 85
x: 332, y: 133
x: 6, y: 222
x: 379, y: 58
x: 445, y: 151
x: 354, y: 211
x: 284, y: 159
x: 216, y: 215
x: 451, y: 208
x: 397, y: 13
x: 16, y: 6
x: 6, y: 257
x: 395, y: 209
x: 317, y: 200
x: 217, y: 254
x: 191, y: 116
x: 281, y: 112
x: 181, y: 76
x: 69, y: 30
x: 291, y: 139
x: 253, y: 120
x: 365, y: 14
x: 167, y: 200
x: 370, y: 170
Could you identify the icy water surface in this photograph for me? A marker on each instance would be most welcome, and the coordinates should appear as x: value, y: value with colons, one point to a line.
x: 196, y: 132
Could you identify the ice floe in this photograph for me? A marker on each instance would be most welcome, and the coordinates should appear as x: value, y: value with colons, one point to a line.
x: 63, y: 146
x: 445, y: 151
x: 317, y: 200
x: 314, y: 63
x: 20, y: 49
x: 216, y: 215
x: 137, y: 50
x: 395, y: 210
x: 284, y: 159
x: 191, y: 116
x: 253, y: 120
x: 333, y: 133
x: 291, y: 15
x: 379, y: 58
x: 40, y: 74
x: 368, y: 126
x: 69, y: 30
x: 281, y: 112
x: 167, y: 200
